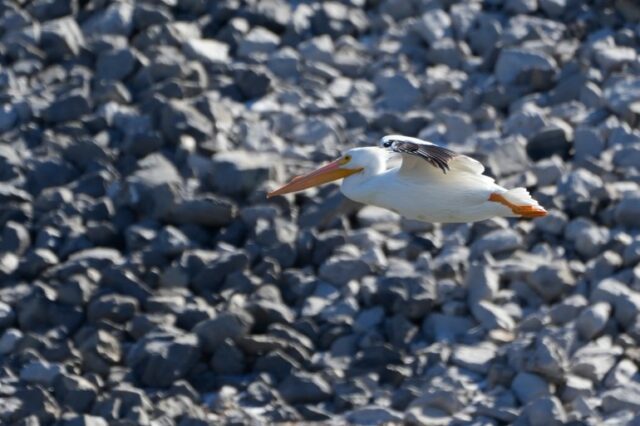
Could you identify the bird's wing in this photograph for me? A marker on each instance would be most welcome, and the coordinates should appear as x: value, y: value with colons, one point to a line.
x: 419, y: 155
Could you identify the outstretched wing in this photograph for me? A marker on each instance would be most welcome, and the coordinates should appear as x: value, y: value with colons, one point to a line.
x: 435, y: 155
x: 421, y: 158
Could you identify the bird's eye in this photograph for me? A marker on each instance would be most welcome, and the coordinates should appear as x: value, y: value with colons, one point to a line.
x: 347, y: 158
x: 387, y: 144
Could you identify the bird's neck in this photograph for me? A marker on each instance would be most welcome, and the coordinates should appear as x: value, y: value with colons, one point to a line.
x: 361, y: 186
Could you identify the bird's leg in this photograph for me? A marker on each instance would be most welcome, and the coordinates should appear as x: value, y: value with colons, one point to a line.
x: 524, y: 211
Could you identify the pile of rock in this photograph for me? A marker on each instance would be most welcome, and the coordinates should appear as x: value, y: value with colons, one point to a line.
x: 145, y: 278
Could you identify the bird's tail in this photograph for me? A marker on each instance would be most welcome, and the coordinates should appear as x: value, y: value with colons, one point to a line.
x: 520, y: 202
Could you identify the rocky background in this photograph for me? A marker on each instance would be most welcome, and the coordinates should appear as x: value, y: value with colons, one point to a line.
x: 146, y: 280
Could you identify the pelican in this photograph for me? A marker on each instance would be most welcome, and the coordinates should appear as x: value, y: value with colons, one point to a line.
x: 432, y: 184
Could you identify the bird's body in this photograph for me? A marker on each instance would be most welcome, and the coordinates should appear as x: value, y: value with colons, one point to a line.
x: 454, y: 198
x: 433, y: 184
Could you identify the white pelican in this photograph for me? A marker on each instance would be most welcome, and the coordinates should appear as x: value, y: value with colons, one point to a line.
x: 433, y: 184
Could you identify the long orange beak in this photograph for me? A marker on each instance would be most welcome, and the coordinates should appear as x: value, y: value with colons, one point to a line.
x: 324, y: 174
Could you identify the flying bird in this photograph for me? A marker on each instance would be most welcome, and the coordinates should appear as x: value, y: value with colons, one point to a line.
x: 432, y: 184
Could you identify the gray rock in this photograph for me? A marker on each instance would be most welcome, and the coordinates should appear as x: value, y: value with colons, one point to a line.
x: 442, y: 327
x: 591, y: 95
x: 621, y: 95
x: 10, y: 340
x: 631, y: 253
x: 7, y: 315
x: 484, y: 32
x: 241, y: 172
x: 99, y: 352
x: 496, y: 242
x: 254, y: 82
x: 551, y: 281
x: 179, y: 118
x: 372, y: 415
x: 547, y: 410
x: 482, y: 283
x: 567, y: 310
x: 627, y: 211
x: 208, y: 51
x: 116, y: 64
x: 549, y: 171
x: 554, y: 139
x: 553, y: 8
x: 368, y: 319
x: 590, y: 240
x: 258, y: 41
x: 40, y: 372
x: 399, y: 92
x: 285, y: 63
x: 315, y: 132
x: 592, y: 320
x: 478, y: 358
x: 376, y: 217
x: 9, y: 263
x: 554, y: 223
x: 304, y: 388
x: 528, y: 121
x: 627, y: 156
x: 212, y: 274
x: 37, y: 261
x: 337, y: 19
x: 116, y: 19
x: 341, y: 269
x: 51, y: 9
x: 227, y: 325
x: 587, y: 143
x: 434, y: 25
x: 124, y: 282
x: 463, y: 16
x: 621, y: 375
x: 269, y: 312
x: 548, y: 359
x: 206, y: 210
x: 112, y: 307
x: 149, y: 188
x: 8, y: 117
x: 317, y: 49
x: 397, y: 9
x: 614, y: 58
x: 11, y: 194
x: 519, y: 66
x: 228, y: 359
x: 278, y: 364
x: 61, y: 37
x: 579, y: 186
x: 36, y: 402
x: 594, y: 362
x: 521, y: 6
x: 529, y: 387
x: 70, y: 106
x: 491, y: 316
x: 159, y: 362
x: 171, y: 241
x: 624, y: 300
x: 84, y: 420
x: 624, y: 398
x: 434, y: 406
x: 576, y: 387
x: 75, y: 392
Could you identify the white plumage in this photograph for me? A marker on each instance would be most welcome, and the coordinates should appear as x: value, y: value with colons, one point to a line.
x: 432, y: 184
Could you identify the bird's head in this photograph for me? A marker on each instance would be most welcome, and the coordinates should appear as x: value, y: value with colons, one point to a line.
x: 351, y: 162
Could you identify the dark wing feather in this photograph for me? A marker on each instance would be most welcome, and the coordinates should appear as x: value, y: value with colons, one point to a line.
x: 436, y: 155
